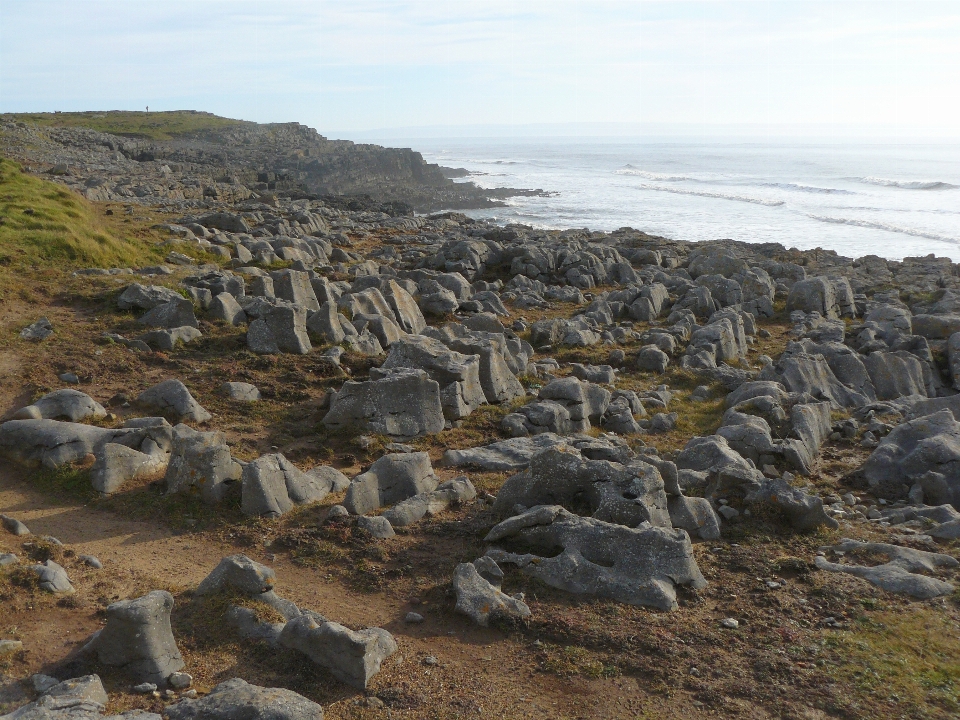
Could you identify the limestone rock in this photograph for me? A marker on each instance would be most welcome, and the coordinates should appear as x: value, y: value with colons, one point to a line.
x: 225, y: 308
x: 200, y: 461
x: 67, y: 403
x: 272, y: 485
x: 146, y: 297
x: 241, y: 392
x: 283, y: 328
x: 168, y: 339
x: 173, y: 397
x: 116, y: 464
x: 638, y: 566
x: 52, y: 577
x: 403, y: 403
x: 901, y: 574
x: 138, y: 638
x: 172, y: 314
x: 351, y: 656
x: 804, y: 512
x: 482, y: 601
x: 52, y: 443
x: 451, y: 492
x: 238, y: 700
x: 391, y: 479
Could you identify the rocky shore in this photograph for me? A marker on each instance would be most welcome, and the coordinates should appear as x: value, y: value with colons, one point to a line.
x: 687, y: 478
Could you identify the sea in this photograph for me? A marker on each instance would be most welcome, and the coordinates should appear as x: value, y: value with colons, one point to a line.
x: 889, y: 199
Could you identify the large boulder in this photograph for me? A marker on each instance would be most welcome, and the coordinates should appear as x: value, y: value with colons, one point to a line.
x: 451, y: 492
x: 200, y: 462
x: 146, y: 297
x: 402, y: 403
x: 925, y: 452
x: 282, y: 329
x: 70, y: 404
x: 628, y: 495
x: 173, y: 314
x: 352, y: 656
x: 637, y: 566
x: 815, y: 294
x: 52, y: 443
x: 272, y: 485
x: 895, y: 374
x: 238, y: 700
x: 294, y: 287
x: 116, y: 464
x: 458, y: 375
x: 171, y: 397
x: 138, y: 638
x: 390, y: 480
x: 405, y: 308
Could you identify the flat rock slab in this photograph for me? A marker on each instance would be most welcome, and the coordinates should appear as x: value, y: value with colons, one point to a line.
x: 238, y: 700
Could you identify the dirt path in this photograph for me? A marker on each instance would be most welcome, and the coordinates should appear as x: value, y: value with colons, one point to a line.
x: 479, y: 671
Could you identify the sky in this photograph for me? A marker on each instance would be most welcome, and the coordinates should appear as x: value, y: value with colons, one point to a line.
x: 466, y: 67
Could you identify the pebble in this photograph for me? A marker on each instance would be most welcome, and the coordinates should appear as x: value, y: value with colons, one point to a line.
x: 180, y: 680
x: 430, y: 660
x: 9, y: 647
x: 189, y: 693
x: 91, y: 561
x: 70, y: 378
x: 145, y: 688
x: 413, y: 618
x: 729, y: 623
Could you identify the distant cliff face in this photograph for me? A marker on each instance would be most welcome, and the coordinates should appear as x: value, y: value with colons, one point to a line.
x: 203, y: 158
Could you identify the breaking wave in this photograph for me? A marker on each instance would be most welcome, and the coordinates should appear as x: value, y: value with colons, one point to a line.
x: 718, y: 196
x: 635, y: 172
x: 809, y: 189
x: 886, y: 226
x: 909, y: 184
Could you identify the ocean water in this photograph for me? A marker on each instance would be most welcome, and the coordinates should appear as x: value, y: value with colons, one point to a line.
x: 892, y: 200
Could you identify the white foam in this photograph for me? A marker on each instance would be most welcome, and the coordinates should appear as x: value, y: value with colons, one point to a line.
x: 914, y: 232
x: 718, y: 196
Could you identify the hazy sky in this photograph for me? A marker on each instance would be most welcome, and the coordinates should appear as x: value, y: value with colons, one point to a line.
x: 353, y: 65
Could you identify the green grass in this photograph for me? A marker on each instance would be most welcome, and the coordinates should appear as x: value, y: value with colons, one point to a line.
x: 145, y: 125
x: 43, y: 224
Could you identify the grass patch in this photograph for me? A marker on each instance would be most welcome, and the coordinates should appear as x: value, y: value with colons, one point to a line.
x: 146, y: 125
x: 911, y: 658
x: 43, y: 224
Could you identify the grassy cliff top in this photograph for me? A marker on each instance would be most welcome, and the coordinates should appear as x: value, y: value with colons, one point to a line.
x: 146, y: 125
x: 44, y: 224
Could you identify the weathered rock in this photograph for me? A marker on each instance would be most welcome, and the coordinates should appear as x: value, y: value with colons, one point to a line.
x: 146, y: 297
x: 225, y: 308
x: 803, y: 511
x: 52, y: 443
x: 294, y: 287
x: 172, y: 397
x: 283, y: 328
x: 272, y: 485
x: 638, y: 566
x: 138, y: 638
x: 328, y: 324
x: 627, y: 495
x: 814, y: 295
x: 405, y: 308
x: 116, y: 464
x: 900, y: 574
x: 653, y: 359
x: 695, y: 515
x: 351, y: 656
x: 458, y: 375
x: 403, y: 403
x: 329, y: 477
x: 172, y: 314
x: 895, y: 374
x: 482, y: 601
x: 377, y: 525
x: 13, y: 526
x: 240, y: 574
x: 52, y: 577
x: 168, y: 339
x: 200, y: 462
x: 240, y: 391
x: 391, y: 479
x: 237, y: 700
x: 515, y: 454
x: 451, y: 492
x: 80, y: 698
x: 70, y: 404
x: 40, y: 330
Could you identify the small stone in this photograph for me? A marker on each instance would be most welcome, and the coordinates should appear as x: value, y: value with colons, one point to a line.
x: 91, y: 561
x: 145, y: 688
x: 430, y: 660
x: 729, y: 623
x: 337, y: 511
x: 413, y: 618
x: 849, y: 499
x: 69, y: 378
x: 728, y: 513
x: 191, y: 693
x: 377, y: 525
x: 180, y: 680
